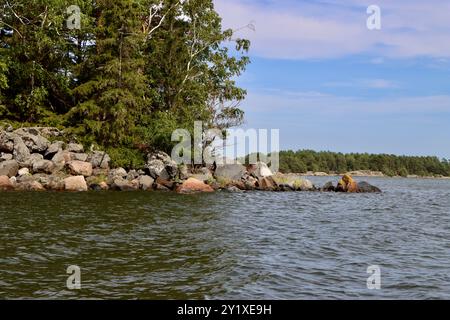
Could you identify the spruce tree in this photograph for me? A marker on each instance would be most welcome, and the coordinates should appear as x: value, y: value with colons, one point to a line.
x: 112, y: 100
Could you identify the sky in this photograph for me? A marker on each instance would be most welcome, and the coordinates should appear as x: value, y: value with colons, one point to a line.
x: 327, y: 82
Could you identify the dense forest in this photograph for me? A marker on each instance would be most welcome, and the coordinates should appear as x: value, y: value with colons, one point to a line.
x: 391, y: 165
x: 119, y: 74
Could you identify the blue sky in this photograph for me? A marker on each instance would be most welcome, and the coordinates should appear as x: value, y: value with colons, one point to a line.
x: 328, y: 83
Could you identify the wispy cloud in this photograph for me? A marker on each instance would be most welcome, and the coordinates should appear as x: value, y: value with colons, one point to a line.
x: 365, y: 83
x: 326, y: 104
x: 330, y: 29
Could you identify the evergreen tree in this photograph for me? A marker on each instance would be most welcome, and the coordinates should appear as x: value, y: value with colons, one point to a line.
x: 31, y: 36
x: 112, y: 101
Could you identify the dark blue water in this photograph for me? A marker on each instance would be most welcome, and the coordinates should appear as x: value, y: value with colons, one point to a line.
x: 251, y: 245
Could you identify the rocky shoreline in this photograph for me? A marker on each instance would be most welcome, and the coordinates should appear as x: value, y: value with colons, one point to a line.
x: 365, y: 174
x: 38, y: 159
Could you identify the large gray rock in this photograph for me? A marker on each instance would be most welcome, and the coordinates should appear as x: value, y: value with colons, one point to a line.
x: 75, y: 148
x: 80, y: 157
x: 6, y: 142
x: 54, y: 183
x: 365, y: 187
x: 304, y: 185
x: 28, y: 162
x: 132, y: 175
x: 33, y: 140
x: 9, y: 168
x: 20, y: 152
x: 294, y: 182
x: 125, y: 185
x: 53, y: 149
x: 99, y: 159
x: 230, y: 172
x: 43, y: 166
x: 118, y: 173
x: 160, y: 164
x: 61, y: 158
x: 329, y: 187
x: 146, y: 182
x: 80, y: 168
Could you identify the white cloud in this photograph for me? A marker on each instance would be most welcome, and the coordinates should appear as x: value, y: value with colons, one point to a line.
x: 326, y: 105
x: 331, y: 29
x: 365, y: 83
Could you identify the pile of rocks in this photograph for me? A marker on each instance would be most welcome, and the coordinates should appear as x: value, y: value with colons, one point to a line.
x: 33, y: 159
x: 348, y: 185
x: 37, y: 159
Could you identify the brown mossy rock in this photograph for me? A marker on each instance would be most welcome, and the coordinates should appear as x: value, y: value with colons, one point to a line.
x: 347, y: 184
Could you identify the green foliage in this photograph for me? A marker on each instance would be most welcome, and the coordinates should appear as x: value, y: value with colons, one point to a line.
x: 126, y: 158
x: 391, y: 165
x: 133, y: 73
x: 3, y: 84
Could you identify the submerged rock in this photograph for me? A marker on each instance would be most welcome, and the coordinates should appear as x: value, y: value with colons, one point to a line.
x: 328, y: 187
x: 347, y: 184
x: 365, y: 187
x: 294, y: 182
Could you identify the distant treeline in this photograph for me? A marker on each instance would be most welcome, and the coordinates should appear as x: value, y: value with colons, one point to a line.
x: 303, y: 161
